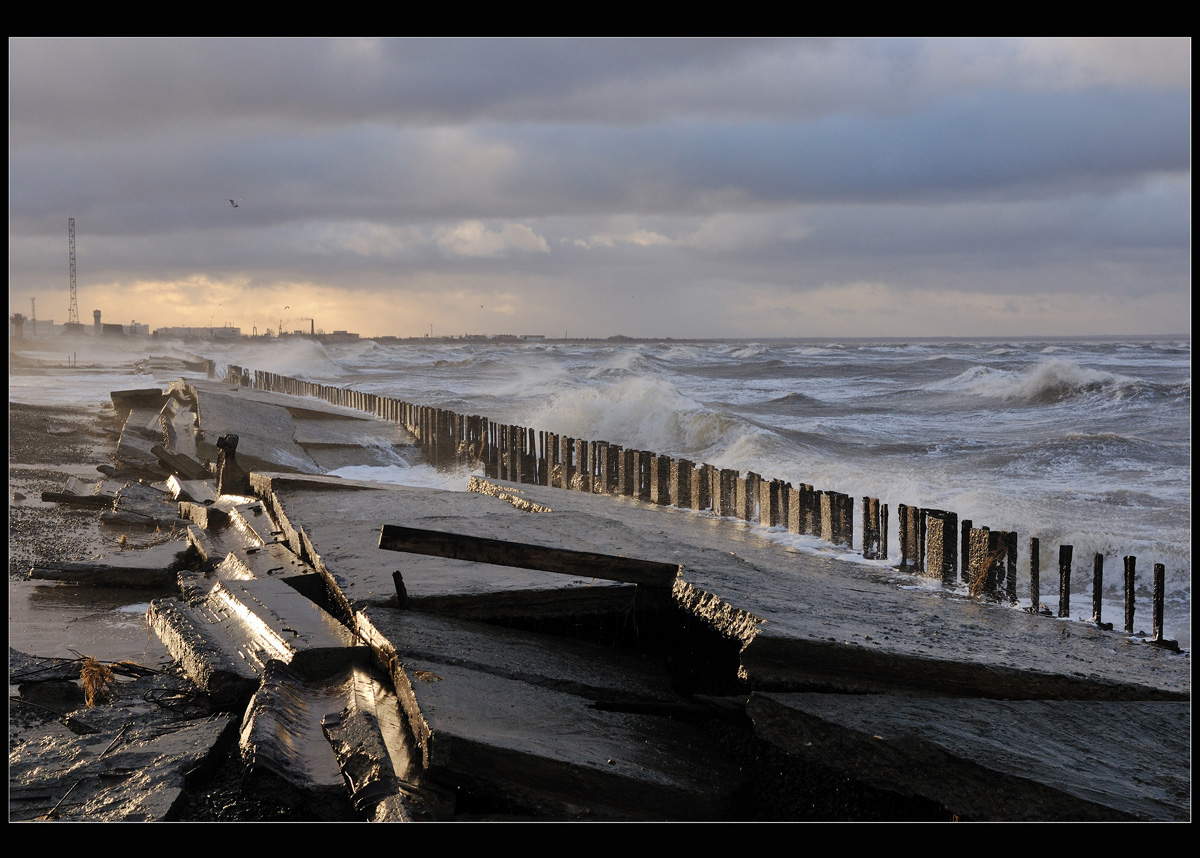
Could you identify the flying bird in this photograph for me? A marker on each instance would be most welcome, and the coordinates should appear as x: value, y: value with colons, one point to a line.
x: 234, y: 203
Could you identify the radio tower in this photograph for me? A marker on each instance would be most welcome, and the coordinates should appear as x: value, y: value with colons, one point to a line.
x: 73, y: 310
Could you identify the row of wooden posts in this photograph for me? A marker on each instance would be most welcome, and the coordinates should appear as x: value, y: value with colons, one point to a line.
x: 929, y: 539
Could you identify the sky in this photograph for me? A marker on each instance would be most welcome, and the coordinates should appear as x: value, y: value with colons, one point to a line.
x: 588, y: 188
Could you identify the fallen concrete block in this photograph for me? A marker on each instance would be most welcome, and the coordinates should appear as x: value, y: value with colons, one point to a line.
x: 285, y: 752
x: 531, y: 749
x: 997, y: 759
x: 225, y: 639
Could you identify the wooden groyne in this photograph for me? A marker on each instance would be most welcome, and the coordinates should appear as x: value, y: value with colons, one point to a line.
x: 931, y: 543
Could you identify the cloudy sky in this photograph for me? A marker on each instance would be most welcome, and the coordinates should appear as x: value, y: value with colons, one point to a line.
x: 712, y: 188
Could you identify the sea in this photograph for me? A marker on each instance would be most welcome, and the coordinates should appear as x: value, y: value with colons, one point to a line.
x: 1077, y: 441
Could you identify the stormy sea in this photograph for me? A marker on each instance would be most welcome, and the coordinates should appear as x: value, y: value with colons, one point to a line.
x: 1085, y: 442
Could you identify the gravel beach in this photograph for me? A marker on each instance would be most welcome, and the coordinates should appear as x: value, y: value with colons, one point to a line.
x: 47, y: 445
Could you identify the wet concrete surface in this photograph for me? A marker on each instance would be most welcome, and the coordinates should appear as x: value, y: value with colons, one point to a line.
x: 66, y: 620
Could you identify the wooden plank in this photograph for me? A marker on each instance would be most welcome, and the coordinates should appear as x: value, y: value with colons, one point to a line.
x: 523, y: 555
x: 90, y: 501
x: 102, y: 574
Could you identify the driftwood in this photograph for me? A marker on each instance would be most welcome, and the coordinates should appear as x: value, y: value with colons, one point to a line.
x: 103, y: 574
x: 89, y: 501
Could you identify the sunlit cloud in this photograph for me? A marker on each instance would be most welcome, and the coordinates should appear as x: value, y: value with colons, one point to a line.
x: 474, y: 239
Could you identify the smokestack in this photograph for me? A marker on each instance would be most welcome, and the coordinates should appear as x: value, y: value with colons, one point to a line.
x: 312, y: 327
x: 96, y: 318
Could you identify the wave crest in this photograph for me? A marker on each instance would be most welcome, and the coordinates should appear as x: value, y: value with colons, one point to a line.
x: 1054, y: 380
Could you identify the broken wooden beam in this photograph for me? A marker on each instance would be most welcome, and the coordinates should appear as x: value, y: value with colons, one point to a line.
x: 527, y: 556
x: 103, y: 574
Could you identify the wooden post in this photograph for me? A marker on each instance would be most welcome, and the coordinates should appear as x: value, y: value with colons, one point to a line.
x: 1097, y: 591
x: 579, y: 476
x: 941, y: 538
x: 828, y: 519
x: 1130, y: 574
x: 660, y: 480
x: 603, y: 484
x: 967, y: 526
x: 680, y: 478
x: 626, y: 466
x: 1064, y: 580
x: 883, y: 532
x: 1035, y: 567
x: 980, y: 567
x: 1010, y: 566
x: 816, y: 524
x: 728, y: 479
x: 702, y: 487
x: 645, y: 465
x: 868, y: 549
x: 1160, y: 580
x: 846, y: 525
x: 920, y: 538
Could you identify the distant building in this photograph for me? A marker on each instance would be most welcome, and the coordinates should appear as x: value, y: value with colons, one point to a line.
x: 223, y: 333
x: 338, y: 337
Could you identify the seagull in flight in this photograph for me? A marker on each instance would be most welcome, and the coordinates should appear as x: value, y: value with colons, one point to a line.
x: 235, y: 203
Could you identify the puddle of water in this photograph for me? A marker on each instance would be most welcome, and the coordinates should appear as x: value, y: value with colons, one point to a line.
x: 66, y: 621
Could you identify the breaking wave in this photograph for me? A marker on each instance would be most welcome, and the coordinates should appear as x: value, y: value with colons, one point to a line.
x: 1054, y: 380
x: 640, y: 413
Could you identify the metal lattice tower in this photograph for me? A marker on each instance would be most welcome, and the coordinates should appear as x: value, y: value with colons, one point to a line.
x: 73, y: 310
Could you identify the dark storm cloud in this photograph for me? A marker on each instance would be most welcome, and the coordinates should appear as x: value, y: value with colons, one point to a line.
x: 1002, y: 147
x: 68, y: 86
x: 780, y: 164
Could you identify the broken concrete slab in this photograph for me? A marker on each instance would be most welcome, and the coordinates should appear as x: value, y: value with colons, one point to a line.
x: 125, y: 775
x: 286, y: 433
x: 139, y: 436
x: 187, y: 466
x: 225, y: 639
x: 379, y: 763
x: 197, y: 491
x: 1040, y: 760
x: 544, y: 750
x: 336, y: 525
x: 582, y: 668
x: 128, y: 758
x: 178, y: 419
x: 465, y: 589
x: 282, y: 745
x: 148, y: 398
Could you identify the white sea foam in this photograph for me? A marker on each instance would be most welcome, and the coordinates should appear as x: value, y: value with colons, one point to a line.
x: 1049, y: 381
x: 417, y: 476
x: 296, y: 357
x: 639, y: 413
